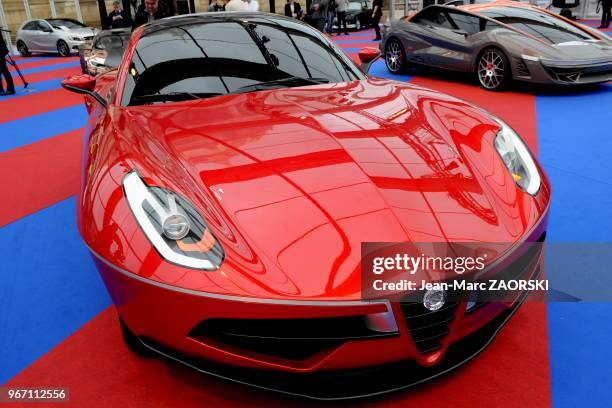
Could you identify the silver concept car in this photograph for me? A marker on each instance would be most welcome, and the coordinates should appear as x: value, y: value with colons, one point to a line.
x: 499, y: 42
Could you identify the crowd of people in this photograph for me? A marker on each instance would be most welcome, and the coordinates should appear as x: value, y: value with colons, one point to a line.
x: 150, y: 10
x: 323, y: 13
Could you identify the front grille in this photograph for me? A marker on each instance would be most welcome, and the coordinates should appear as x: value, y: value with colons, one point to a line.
x: 88, y: 38
x: 428, y: 328
x: 576, y: 74
x: 290, y: 339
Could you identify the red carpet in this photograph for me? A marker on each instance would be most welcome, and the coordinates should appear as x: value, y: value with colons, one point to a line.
x: 40, y: 174
x: 25, y: 64
x: 53, y: 74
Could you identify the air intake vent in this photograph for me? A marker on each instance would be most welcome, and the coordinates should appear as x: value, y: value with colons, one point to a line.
x: 290, y: 339
x: 521, y: 68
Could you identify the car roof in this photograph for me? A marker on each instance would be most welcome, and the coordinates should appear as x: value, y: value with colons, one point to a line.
x: 178, y: 21
x: 498, y: 4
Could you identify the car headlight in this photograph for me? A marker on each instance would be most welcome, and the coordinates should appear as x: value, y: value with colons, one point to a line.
x: 517, y: 159
x: 76, y: 38
x: 172, y: 225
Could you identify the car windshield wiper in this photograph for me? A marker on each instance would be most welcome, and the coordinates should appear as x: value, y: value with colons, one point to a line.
x: 282, y: 82
x: 173, y: 96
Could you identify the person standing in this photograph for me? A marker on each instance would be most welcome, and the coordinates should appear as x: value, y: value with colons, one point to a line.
x: 150, y: 12
x: 376, y: 15
x: 293, y: 9
x: 235, y: 5
x: 341, y: 8
x: 319, y: 14
x: 10, y: 86
x: 118, y: 18
x: 331, y: 13
x: 606, y: 9
x: 252, y: 5
x: 213, y: 5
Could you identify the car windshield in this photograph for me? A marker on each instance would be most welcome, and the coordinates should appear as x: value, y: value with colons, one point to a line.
x: 217, y: 56
x: 539, y: 24
x: 113, y: 42
x: 355, y: 6
x: 58, y: 22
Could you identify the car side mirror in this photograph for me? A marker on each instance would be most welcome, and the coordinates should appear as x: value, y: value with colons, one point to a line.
x: 367, y: 56
x: 83, y: 84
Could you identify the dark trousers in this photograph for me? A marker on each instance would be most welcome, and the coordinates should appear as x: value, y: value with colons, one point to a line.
x: 319, y: 24
x: 376, y: 24
x: 606, y: 5
x: 342, y: 21
x: 7, y: 75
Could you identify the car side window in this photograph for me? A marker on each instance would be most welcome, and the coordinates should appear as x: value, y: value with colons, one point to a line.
x: 468, y: 23
x: 433, y: 17
x: 440, y: 19
x: 42, y: 26
x: 30, y: 26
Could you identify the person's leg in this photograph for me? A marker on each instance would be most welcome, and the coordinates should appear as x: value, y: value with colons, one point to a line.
x: 343, y: 19
x: 604, y: 14
x: 10, y: 86
x: 338, y: 23
x: 376, y: 23
x: 320, y: 24
x: 608, y: 11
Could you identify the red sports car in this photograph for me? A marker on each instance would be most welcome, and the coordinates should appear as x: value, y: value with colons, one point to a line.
x: 234, y: 164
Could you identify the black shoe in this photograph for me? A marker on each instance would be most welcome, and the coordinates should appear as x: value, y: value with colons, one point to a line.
x: 7, y: 93
x: 378, y: 39
x: 345, y: 33
x: 601, y: 26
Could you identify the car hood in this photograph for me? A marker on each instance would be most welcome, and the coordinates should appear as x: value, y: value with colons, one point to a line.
x: 82, y: 32
x: 595, y: 50
x: 300, y: 177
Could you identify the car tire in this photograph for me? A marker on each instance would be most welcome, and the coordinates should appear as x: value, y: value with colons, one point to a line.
x: 395, y: 56
x: 493, y: 70
x: 357, y: 24
x: 22, y: 48
x: 132, y: 342
x: 63, y: 49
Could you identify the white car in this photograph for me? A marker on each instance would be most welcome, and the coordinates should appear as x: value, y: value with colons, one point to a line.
x: 56, y: 35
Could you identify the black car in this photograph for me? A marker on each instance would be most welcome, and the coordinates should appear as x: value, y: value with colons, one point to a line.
x: 358, y: 15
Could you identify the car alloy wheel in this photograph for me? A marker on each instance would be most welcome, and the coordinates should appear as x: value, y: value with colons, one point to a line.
x: 394, y: 56
x: 22, y: 48
x: 62, y: 48
x: 493, y: 69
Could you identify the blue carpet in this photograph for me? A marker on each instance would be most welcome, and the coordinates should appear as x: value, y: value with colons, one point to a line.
x: 49, y: 281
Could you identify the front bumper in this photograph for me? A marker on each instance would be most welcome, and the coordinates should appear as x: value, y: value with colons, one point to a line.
x: 166, y: 321
x: 563, y: 72
x: 74, y: 45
